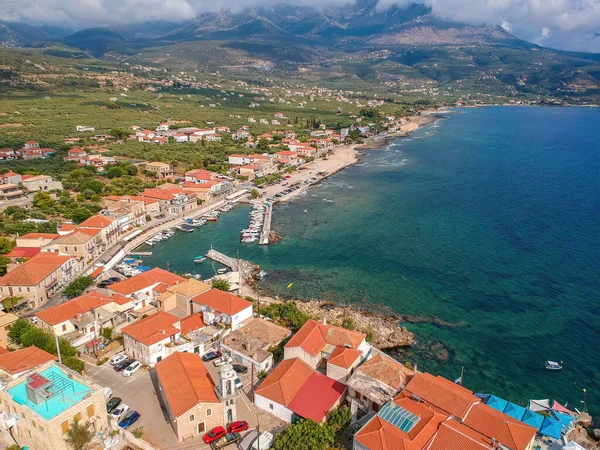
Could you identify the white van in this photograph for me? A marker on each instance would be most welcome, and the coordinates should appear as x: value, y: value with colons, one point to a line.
x: 107, y: 392
x: 263, y: 442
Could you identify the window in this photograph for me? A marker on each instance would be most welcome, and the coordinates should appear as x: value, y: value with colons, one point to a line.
x: 65, y: 427
x: 375, y: 407
x: 90, y: 411
x: 270, y: 406
x: 77, y: 417
x: 208, y: 412
x: 192, y: 418
x: 201, y: 427
x: 64, y: 327
x: 357, y: 395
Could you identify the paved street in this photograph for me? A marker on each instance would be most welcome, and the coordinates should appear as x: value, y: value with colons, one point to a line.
x: 139, y: 393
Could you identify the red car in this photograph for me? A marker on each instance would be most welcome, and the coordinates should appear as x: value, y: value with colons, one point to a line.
x: 237, y: 427
x: 214, y: 435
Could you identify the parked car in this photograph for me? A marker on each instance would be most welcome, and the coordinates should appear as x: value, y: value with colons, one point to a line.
x: 240, y: 369
x: 238, y: 383
x: 214, y: 435
x: 237, y: 427
x: 263, y: 442
x: 117, y: 359
x: 112, y: 404
x: 210, y: 356
x: 132, y: 368
x: 105, y: 283
x: 222, y: 361
x: 130, y: 418
x: 119, y: 411
x: 123, y: 364
x: 107, y: 393
x: 114, y: 279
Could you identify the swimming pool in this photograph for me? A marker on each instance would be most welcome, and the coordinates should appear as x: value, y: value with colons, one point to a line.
x: 66, y: 392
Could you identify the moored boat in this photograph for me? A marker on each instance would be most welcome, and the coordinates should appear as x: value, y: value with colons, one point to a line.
x: 553, y: 365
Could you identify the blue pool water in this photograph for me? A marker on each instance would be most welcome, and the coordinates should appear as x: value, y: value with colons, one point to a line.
x: 59, y: 402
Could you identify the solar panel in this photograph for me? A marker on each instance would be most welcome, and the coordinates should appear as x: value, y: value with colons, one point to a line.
x: 398, y: 416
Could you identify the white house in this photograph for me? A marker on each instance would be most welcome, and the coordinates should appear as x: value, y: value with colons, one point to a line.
x: 220, y: 306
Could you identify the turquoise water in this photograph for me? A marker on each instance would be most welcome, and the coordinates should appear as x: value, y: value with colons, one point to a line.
x: 488, y: 220
x: 59, y: 402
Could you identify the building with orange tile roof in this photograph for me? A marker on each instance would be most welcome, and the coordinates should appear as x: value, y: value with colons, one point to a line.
x: 316, y: 341
x: 221, y: 306
x: 85, y: 243
x: 38, y: 278
x: 155, y: 337
x: 108, y: 227
x: 286, y: 157
x: 173, y: 201
x: 80, y: 320
x: 140, y: 288
x: 14, y: 364
x: 342, y: 362
x: 461, y: 421
x: 375, y: 382
x: 177, y: 298
x: 294, y: 390
x: 189, y: 394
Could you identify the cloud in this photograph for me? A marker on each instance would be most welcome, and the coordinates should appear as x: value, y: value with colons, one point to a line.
x: 565, y: 23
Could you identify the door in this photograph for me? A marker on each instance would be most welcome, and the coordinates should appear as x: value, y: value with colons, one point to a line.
x: 229, y: 415
x: 200, y: 427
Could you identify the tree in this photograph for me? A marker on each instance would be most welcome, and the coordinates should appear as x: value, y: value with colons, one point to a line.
x: 305, y: 435
x: 254, y: 193
x: 77, y: 286
x: 79, y: 435
x: 18, y: 329
x: 14, y: 447
x: 79, y: 214
x: 43, y: 201
x: 73, y: 363
x: 4, y: 261
x: 287, y: 314
x: 222, y: 285
x: 339, y: 418
x: 119, y: 133
x: 37, y: 337
x: 6, y: 245
x: 114, y: 172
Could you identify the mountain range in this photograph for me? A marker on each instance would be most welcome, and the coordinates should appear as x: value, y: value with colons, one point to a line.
x: 357, y: 40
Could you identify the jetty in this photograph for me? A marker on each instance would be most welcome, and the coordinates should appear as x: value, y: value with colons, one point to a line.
x: 221, y: 258
x: 140, y: 253
x: 266, y: 230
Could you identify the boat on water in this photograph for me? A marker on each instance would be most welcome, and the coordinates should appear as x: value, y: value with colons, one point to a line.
x: 149, y: 242
x: 211, y: 219
x: 199, y: 259
x: 221, y: 271
x: 553, y: 365
x: 185, y: 228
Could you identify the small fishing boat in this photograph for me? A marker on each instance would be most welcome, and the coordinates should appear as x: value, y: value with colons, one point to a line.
x: 553, y: 365
x: 211, y: 219
x: 221, y: 271
x: 149, y: 242
x: 199, y: 259
x: 185, y: 228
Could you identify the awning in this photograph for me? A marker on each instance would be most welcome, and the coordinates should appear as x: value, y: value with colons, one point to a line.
x: 560, y: 408
x: 551, y: 428
x: 97, y: 271
x: 533, y: 419
x: 515, y: 411
x: 93, y: 343
x: 539, y: 405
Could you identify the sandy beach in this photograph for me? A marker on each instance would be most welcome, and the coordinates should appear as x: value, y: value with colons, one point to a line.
x: 341, y: 157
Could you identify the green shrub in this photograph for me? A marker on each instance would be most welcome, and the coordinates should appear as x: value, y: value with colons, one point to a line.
x: 77, y: 286
x: 74, y: 363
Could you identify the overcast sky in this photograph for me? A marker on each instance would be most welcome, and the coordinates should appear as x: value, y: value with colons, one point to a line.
x: 566, y: 24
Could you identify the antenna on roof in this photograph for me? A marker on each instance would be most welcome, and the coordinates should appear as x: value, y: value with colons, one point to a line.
x: 416, y: 397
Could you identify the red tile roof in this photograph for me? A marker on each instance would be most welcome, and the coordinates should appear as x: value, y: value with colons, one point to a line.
x: 35, y: 270
x: 97, y: 221
x: 313, y: 336
x: 71, y: 308
x: 222, y: 301
x: 191, y: 323
x: 23, y: 252
x: 494, y: 424
x: 145, y: 280
x: 154, y: 328
x: 39, y: 236
x: 185, y: 382
x: 317, y: 397
x: 3, y: 350
x: 344, y: 357
x: 285, y: 381
x: 445, y: 395
x: 25, y: 359
x: 452, y: 435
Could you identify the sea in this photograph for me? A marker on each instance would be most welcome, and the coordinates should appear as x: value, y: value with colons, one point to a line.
x: 482, y: 229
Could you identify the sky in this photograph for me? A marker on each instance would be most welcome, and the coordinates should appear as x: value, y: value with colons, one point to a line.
x: 564, y: 24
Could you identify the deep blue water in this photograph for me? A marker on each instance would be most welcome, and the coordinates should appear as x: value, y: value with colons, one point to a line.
x: 488, y: 220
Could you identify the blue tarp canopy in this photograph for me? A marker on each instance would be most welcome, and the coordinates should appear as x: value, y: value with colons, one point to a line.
x: 515, y: 411
x: 497, y: 403
x: 564, y: 419
x: 533, y: 419
x: 551, y: 428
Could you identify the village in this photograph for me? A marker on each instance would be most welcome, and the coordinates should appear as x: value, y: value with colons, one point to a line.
x: 152, y: 359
